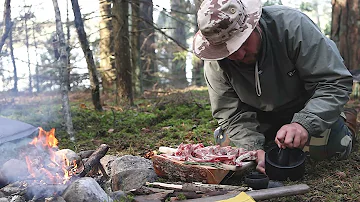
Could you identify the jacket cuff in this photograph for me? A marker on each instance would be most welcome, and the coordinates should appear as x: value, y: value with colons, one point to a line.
x: 304, y: 120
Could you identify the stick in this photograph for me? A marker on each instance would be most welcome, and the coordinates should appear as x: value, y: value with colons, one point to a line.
x: 261, y: 194
x: 94, y: 159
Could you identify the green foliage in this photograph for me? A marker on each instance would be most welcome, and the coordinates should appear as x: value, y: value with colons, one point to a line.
x: 165, y: 121
x: 272, y: 2
x: 306, y: 6
x: 180, y: 56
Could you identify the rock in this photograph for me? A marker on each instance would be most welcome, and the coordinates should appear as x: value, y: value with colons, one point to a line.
x: 131, y: 172
x: 70, y: 155
x: 85, y: 189
x: 4, y: 199
x: 10, y: 175
x: 55, y: 199
x: 117, y: 195
x: 18, y: 198
x: 106, y: 162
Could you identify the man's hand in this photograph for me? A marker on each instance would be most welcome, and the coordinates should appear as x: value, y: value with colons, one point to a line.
x: 260, y: 160
x: 292, y: 135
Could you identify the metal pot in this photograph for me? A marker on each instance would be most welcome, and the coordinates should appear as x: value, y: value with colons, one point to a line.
x: 278, y: 168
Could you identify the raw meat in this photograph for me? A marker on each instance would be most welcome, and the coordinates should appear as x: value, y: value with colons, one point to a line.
x: 211, y: 154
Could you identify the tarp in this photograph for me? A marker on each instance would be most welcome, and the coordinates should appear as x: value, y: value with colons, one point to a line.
x: 12, y: 130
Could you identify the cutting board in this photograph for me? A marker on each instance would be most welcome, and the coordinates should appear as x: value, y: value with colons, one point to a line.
x: 179, y: 170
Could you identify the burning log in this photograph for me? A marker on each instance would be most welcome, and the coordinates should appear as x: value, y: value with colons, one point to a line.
x: 94, y: 160
x: 85, y: 154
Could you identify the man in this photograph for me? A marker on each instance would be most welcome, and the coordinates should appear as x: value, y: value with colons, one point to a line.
x: 273, y: 77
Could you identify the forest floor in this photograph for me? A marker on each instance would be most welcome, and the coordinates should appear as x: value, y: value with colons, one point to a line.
x: 165, y: 119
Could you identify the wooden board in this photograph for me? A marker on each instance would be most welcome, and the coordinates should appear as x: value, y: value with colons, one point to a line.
x: 178, y: 170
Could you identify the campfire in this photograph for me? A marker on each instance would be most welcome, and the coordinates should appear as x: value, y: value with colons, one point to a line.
x: 45, y: 164
x: 36, y: 169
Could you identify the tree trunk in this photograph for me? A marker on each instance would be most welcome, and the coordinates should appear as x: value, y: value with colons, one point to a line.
x: 147, y: 46
x: 345, y: 30
x: 27, y: 49
x: 94, y: 81
x: 7, y: 22
x: 179, y: 64
x: 37, y: 80
x: 63, y: 73
x: 68, y: 49
x: 107, y: 67
x: 122, y: 50
x: 135, y: 47
x: 15, y: 89
x: 197, y: 73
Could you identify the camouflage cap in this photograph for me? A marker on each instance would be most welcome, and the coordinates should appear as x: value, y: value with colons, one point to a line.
x: 224, y: 25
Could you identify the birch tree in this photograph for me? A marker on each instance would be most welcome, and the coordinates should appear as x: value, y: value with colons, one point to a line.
x: 63, y: 72
x: 94, y: 80
x: 7, y: 22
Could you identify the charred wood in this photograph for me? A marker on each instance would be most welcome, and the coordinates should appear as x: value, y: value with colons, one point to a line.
x: 94, y: 159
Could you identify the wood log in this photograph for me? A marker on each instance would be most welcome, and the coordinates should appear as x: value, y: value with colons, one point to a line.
x: 85, y: 154
x: 94, y: 159
x: 199, y: 187
x: 179, y: 170
x: 261, y: 194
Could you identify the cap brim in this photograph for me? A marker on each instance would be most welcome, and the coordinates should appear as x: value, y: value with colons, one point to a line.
x: 206, y: 51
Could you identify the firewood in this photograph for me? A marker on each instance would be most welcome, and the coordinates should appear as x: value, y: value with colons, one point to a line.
x: 94, y: 159
x: 85, y: 154
x: 195, y: 186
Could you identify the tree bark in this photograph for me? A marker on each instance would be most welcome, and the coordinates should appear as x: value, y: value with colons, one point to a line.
x: 147, y: 46
x: 197, y: 73
x: 94, y: 80
x: 107, y: 67
x: 63, y: 73
x: 135, y: 47
x: 179, y: 63
x: 122, y: 50
x: 26, y: 16
x: 345, y: 30
x: 8, y: 24
x: 15, y: 88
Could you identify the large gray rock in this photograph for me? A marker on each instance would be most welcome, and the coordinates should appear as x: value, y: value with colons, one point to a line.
x: 106, y: 162
x: 131, y: 172
x: 85, y: 189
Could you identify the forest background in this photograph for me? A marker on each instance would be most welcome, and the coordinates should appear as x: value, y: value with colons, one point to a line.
x: 123, y: 73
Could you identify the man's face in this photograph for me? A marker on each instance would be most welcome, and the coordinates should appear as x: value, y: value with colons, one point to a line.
x: 249, y: 51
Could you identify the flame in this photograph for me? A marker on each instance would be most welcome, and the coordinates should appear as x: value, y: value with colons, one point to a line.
x: 53, y: 170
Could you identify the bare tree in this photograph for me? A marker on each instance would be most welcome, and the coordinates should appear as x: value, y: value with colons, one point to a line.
x: 197, y: 73
x: 147, y: 46
x: 7, y: 21
x: 345, y: 30
x: 94, y: 80
x: 107, y: 67
x: 122, y: 50
x: 15, y: 88
x: 26, y: 17
x: 135, y: 47
x: 179, y: 62
x: 63, y: 73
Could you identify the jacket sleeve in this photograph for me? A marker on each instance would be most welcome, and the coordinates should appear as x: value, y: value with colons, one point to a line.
x: 325, y: 76
x: 235, y: 117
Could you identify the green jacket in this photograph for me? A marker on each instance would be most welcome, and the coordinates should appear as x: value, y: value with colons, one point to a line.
x: 298, y: 66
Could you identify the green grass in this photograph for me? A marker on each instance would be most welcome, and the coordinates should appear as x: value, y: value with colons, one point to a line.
x: 166, y: 121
